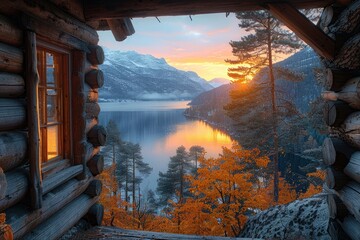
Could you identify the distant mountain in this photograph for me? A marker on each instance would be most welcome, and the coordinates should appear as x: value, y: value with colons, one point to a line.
x: 131, y: 75
x: 217, y: 82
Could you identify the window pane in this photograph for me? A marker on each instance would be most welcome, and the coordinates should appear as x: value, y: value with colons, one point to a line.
x: 53, y: 141
x: 52, y: 106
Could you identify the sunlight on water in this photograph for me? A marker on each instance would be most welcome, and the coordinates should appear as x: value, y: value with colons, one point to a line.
x: 160, y: 128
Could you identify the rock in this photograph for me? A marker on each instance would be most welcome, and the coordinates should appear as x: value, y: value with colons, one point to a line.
x: 301, y: 219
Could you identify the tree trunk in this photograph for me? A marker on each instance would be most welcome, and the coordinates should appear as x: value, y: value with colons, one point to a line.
x: 274, y: 113
x: 133, y: 186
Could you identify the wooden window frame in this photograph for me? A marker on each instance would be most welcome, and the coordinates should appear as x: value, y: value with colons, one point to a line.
x: 66, y: 155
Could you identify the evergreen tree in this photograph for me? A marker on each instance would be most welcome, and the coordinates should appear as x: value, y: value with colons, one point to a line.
x: 129, y: 166
x: 173, y: 181
x: 195, y: 153
x: 252, y: 104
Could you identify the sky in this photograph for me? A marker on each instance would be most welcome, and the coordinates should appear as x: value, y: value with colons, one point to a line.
x: 198, y: 45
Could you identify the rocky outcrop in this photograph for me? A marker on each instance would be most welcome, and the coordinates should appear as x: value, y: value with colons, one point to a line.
x: 301, y: 219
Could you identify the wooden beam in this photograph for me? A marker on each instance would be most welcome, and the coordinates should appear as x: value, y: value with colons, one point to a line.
x: 121, y: 28
x: 304, y: 28
x: 48, y: 11
x: 32, y: 82
x: 78, y: 107
x: 110, y: 9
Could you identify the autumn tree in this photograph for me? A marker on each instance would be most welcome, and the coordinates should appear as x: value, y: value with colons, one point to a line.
x: 267, y: 37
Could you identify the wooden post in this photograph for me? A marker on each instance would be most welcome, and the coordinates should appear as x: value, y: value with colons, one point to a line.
x: 78, y: 108
x: 32, y: 82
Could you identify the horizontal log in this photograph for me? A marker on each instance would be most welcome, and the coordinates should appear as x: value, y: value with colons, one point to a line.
x: 92, y: 110
x: 351, y: 227
x: 329, y: 15
x: 95, y: 214
x: 13, y: 149
x: 48, y: 11
x: 23, y: 220
x: 96, y: 55
x: 336, y: 151
x: 336, y: 78
x: 97, y: 136
x: 96, y: 164
x: 348, y: 93
x: 11, y: 59
x: 12, y: 114
x: 350, y: 196
x: 94, y: 189
x: 90, y: 123
x: 10, y: 33
x: 352, y: 169
x: 92, y: 96
x: 3, y: 184
x: 63, y: 220
x: 336, y: 112
x: 121, y: 28
x: 11, y: 85
x: 61, y: 177
x: 50, y: 168
x: 336, y: 179
x: 18, y: 184
x: 47, y: 30
x: 95, y: 78
x: 105, y: 9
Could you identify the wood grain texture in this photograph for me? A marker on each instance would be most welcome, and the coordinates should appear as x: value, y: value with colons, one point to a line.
x: 13, y: 149
x: 23, y: 220
x: 11, y: 59
x: 32, y: 83
x: 17, y: 187
x: 10, y: 33
x: 63, y: 220
x: 106, y: 9
x: 11, y: 85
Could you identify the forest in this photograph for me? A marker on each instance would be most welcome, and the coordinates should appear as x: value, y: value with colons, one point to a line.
x: 216, y: 195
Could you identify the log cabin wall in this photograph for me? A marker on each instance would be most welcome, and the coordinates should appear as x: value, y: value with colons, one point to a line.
x: 42, y: 201
x: 341, y: 151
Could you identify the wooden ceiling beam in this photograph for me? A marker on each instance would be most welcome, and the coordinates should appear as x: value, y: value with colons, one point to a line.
x: 115, y: 9
x: 304, y: 28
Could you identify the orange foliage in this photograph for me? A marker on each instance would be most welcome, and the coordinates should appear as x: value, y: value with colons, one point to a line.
x: 224, y: 192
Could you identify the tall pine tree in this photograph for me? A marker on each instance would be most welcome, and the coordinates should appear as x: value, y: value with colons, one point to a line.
x: 255, y: 51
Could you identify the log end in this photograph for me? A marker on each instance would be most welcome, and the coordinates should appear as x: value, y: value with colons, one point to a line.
x: 95, y: 214
x: 97, y: 136
x: 328, y: 151
x: 95, y: 78
x: 94, y: 189
x: 96, y: 164
x: 96, y: 55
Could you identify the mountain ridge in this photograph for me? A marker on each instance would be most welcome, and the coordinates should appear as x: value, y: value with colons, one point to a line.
x: 134, y: 76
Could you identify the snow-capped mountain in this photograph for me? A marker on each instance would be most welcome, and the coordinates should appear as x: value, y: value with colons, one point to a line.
x: 131, y: 75
x: 217, y: 82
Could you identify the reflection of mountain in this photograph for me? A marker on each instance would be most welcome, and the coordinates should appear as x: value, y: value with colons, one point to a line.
x: 130, y: 75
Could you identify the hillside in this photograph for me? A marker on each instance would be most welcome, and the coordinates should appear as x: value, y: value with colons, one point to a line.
x: 217, y: 82
x: 209, y: 105
x: 130, y: 75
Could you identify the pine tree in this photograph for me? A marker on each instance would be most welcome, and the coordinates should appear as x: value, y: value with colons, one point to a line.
x: 173, y: 181
x: 253, y: 52
x: 130, y: 164
x: 195, y: 153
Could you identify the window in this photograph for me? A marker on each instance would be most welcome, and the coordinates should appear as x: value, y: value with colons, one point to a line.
x: 53, y: 104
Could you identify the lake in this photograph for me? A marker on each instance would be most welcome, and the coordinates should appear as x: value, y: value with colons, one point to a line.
x: 160, y: 128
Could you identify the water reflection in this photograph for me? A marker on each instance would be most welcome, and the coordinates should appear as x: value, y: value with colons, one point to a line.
x: 160, y: 128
